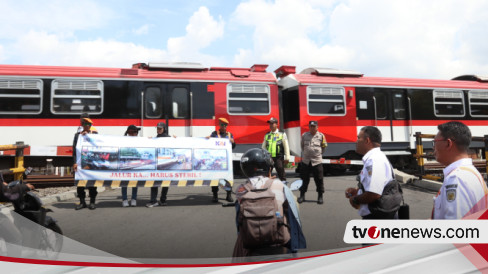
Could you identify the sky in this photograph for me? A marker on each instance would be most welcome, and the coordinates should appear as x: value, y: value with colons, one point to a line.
x: 438, y: 39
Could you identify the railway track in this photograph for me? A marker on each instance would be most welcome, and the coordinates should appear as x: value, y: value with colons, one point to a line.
x: 45, y: 181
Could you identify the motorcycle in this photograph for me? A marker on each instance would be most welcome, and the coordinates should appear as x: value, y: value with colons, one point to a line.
x: 40, y: 235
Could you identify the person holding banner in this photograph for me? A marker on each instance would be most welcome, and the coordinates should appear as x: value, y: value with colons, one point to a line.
x: 222, y: 133
x: 463, y: 191
x: 162, y: 131
x: 87, y: 129
x: 131, y: 131
x: 80, y: 128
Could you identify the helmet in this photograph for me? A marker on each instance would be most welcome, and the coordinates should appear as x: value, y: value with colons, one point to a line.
x: 256, y: 161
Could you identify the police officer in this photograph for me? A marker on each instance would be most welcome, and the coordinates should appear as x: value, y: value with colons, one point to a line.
x: 276, y: 143
x: 222, y: 133
x: 313, y: 145
x: 87, y: 129
x: 463, y: 191
x: 377, y: 172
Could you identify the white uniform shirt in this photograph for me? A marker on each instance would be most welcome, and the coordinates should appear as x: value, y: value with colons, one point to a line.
x: 376, y: 173
x: 463, y: 191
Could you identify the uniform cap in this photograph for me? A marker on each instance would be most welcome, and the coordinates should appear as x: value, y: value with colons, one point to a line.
x: 88, y: 120
x: 161, y: 125
x: 313, y: 123
x: 223, y: 120
x: 272, y: 120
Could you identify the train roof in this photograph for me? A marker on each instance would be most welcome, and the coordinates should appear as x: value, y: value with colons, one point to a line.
x: 318, y: 76
x: 170, y: 71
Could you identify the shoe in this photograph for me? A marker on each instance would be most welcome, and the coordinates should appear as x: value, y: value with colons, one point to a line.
x: 320, y: 200
x: 80, y: 206
x: 215, y: 198
x: 92, y: 206
x: 125, y: 203
x: 301, y: 199
x: 163, y: 203
x: 133, y: 203
x: 151, y: 204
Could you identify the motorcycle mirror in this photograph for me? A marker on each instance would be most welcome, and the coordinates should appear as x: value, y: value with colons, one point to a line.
x: 296, y: 185
x: 13, y: 183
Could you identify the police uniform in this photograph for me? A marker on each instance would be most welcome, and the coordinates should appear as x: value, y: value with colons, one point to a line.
x: 313, y: 146
x: 376, y: 173
x: 463, y: 192
x: 276, y: 143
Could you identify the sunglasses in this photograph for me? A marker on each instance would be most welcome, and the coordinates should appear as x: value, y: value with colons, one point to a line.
x: 223, y: 125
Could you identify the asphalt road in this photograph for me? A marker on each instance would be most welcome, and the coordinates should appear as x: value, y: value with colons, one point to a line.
x: 193, y: 227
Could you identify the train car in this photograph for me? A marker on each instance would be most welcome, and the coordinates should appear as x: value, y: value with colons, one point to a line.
x: 41, y: 105
x: 344, y: 101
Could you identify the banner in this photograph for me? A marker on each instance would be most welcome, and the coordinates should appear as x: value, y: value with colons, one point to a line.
x: 145, y: 162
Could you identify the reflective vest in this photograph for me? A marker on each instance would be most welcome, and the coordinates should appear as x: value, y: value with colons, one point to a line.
x: 274, y: 144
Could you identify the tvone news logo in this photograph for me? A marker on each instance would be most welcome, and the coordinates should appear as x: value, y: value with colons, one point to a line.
x: 373, y: 232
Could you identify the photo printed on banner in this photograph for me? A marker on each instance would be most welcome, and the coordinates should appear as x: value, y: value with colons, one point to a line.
x: 137, y: 158
x: 174, y: 159
x: 101, y: 158
x: 210, y: 159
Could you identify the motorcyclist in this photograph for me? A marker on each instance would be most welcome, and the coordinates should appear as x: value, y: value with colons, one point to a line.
x: 11, y: 194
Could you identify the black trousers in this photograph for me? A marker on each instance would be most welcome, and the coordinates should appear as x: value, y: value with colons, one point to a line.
x: 154, y: 194
x: 380, y: 216
x: 81, y: 193
x: 279, y: 165
x: 318, y: 176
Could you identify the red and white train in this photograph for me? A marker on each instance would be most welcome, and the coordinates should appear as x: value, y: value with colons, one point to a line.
x: 41, y: 105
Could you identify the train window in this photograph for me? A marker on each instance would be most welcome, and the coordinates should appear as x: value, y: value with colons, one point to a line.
x: 478, y: 103
x: 76, y: 97
x: 181, y: 102
x: 21, y: 96
x: 448, y: 103
x: 399, y: 111
x: 381, y: 104
x: 248, y: 99
x: 326, y: 100
x: 153, y: 102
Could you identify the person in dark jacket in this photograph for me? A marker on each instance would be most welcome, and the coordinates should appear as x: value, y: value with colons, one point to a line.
x: 133, y: 131
x: 11, y: 194
x: 162, y: 131
x: 87, y: 126
x: 222, y: 133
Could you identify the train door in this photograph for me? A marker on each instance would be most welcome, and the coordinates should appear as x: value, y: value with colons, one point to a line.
x: 391, y: 114
x: 168, y: 102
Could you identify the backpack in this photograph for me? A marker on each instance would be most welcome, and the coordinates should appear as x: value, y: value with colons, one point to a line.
x: 390, y: 199
x: 260, y: 221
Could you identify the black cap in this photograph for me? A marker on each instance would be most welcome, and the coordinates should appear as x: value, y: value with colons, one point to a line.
x: 313, y: 123
x: 272, y: 120
x: 132, y: 127
x: 161, y: 125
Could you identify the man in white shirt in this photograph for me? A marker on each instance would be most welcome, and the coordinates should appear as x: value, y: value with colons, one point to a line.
x: 376, y: 173
x: 463, y: 191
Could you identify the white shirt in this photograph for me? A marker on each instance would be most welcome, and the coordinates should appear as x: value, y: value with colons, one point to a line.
x: 462, y: 193
x: 376, y: 173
